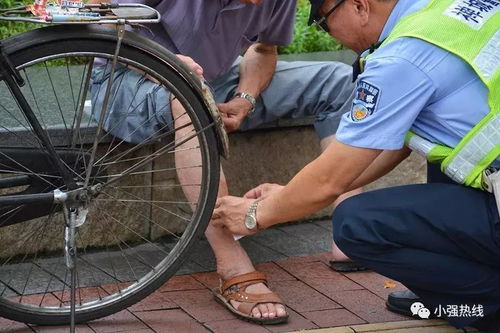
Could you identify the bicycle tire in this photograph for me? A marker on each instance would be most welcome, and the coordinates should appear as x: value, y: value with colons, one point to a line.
x: 36, y: 47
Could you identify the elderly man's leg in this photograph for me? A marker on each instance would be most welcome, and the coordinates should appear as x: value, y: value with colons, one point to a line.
x: 440, y: 240
x: 133, y: 120
x: 323, y: 90
x: 232, y: 260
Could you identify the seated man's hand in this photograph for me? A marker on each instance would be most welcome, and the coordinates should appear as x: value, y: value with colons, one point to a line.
x: 230, y: 213
x: 193, y: 66
x: 234, y: 112
x: 263, y: 191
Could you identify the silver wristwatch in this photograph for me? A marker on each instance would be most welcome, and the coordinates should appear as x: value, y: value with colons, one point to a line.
x: 248, y: 97
x: 251, y: 216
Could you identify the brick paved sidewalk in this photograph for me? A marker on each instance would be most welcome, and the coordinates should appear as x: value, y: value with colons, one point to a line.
x: 316, y: 298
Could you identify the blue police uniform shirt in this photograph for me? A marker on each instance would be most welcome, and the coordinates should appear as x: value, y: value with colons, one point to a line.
x: 413, y: 85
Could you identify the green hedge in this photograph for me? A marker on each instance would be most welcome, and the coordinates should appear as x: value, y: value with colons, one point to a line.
x: 8, y: 29
x: 306, y: 39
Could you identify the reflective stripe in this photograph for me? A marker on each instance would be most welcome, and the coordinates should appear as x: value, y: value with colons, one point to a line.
x: 484, y: 141
x: 488, y: 60
x: 420, y: 145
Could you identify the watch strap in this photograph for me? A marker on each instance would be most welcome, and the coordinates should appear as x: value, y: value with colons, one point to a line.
x: 252, y: 211
x: 248, y: 97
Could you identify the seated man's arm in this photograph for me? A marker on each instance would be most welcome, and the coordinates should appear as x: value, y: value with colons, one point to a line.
x: 256, y: 71
x: 257, y: 68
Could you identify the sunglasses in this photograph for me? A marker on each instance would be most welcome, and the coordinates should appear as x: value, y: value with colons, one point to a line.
x: 321, y: 23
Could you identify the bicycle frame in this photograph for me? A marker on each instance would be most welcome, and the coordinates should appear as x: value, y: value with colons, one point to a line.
x: 14, y: 81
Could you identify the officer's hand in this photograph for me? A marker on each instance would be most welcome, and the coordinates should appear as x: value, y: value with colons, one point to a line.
x: 234, y: 112
x: 263, y: 191
x: 193, y: 66
x: 230, y: 213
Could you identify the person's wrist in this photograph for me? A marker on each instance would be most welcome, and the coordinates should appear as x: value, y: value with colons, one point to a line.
x: 241, y: 104
x: 262, y: 215
x: 247, y: 98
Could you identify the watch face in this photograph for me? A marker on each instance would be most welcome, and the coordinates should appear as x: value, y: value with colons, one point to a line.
x: 250, y: 222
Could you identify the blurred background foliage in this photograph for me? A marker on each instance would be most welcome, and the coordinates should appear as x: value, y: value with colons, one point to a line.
x: 8, y: 29
x: 306, y: 39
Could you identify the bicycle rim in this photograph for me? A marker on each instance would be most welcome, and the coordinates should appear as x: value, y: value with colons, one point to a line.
x: 155, y: 196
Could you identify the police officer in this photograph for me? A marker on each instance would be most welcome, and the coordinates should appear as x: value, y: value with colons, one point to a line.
x: 431, y: 83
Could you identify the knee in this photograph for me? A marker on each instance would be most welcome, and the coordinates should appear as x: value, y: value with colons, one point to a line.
x: 336, y: 75
x: 350, y: 224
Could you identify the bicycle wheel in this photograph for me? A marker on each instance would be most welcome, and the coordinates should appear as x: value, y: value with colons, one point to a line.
x: 151, y: 200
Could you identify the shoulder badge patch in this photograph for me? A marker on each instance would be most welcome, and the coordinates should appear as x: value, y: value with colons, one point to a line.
x: 365, y: 101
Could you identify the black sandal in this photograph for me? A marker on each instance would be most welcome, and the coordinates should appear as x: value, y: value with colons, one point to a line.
x: 346, y: 266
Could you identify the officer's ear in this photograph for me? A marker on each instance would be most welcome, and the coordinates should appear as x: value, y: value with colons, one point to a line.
x: 362, y: 11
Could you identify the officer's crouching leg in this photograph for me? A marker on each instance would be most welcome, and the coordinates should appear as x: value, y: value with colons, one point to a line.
x: 350, y: 226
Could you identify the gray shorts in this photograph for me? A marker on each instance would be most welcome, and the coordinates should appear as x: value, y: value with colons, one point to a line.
x: 139, y: 108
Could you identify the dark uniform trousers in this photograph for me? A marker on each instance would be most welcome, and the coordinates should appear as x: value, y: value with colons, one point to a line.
x: 441, y: 240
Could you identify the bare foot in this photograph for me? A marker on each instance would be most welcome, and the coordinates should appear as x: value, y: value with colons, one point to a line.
x: 265, y: 310
x: 338, y: 255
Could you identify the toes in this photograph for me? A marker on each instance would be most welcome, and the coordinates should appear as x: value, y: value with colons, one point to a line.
x: 269, y: 310
x: 280, y: 310
x: 263, y: 310
x: 256, y: 312
x: 272, y: 310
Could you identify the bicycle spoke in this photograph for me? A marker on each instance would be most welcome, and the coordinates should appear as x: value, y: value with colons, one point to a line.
x: 96, y: 283
x: 149, y: 201
x: 152, y: 204
x: 160, y: 151
x: 143, y: 157
x: 158, y: 171
x: 28, y: 171
x: 137, y: 234
x: 41, y: 118
x: 57, y: 99
x: 40, y: 237
x: 150, y: 221
x: 23, y: 126
x: 156, y: 186
x: 156, y: 136
x: 71, y: 85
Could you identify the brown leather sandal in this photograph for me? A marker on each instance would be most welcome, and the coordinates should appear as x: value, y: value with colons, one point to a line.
x: 235, y: 290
